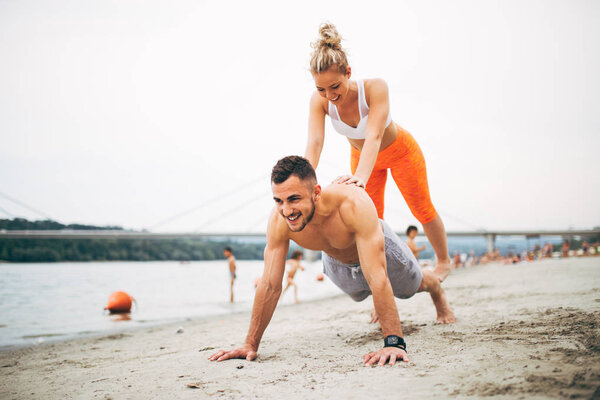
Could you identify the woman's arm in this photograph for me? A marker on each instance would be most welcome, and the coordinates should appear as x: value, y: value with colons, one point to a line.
x: 316, y: 130
x: 376, y: 92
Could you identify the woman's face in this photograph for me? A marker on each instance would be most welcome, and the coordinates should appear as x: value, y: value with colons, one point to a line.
x: 333, y: 85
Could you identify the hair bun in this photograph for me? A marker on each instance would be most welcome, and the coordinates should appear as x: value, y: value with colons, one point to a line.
x: 328, y: 51
x: 329, y: 37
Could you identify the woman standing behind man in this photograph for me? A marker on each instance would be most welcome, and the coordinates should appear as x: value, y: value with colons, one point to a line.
x: 360, y: 110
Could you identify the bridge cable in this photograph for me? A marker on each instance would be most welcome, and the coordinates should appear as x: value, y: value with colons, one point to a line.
x: 263, y: 218
x: 9, y: 215
x: 40, y: 213
x: 229, y: 211
x: 205, y: 203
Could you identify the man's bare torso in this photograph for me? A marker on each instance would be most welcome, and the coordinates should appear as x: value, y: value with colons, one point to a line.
x: 327, y: 231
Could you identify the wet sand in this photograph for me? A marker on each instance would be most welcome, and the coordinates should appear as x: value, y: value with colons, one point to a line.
x: 523, y: 331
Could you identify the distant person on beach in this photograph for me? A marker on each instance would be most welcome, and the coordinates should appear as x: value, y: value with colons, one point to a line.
x: 566, y: 247
x: 411, y: 234
x: 585, y: 246
x: 456, y: 261
x: 360, y: 110
x: 361, y: 255
x: 294, y: 265
x: 228, y: 253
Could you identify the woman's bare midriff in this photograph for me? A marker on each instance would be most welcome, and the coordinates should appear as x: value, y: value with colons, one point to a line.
x: 389, y: 136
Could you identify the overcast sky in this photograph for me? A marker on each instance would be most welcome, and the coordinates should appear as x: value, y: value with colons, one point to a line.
x: 169, y: 115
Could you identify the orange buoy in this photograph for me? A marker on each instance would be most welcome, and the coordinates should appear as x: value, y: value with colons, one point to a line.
x: 320, y: 277
x: 119, y: 302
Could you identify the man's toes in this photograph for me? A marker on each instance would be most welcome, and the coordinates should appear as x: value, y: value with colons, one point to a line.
x: 446, y: 319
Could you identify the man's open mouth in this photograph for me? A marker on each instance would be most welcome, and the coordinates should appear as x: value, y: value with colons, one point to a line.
x: 293, y: 217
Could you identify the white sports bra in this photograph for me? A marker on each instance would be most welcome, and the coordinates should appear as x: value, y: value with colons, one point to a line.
x: 363, y: 110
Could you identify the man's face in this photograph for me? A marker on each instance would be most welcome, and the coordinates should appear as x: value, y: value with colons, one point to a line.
x: 226, y: 253
x: 295, y: 200
x: 412, y: 234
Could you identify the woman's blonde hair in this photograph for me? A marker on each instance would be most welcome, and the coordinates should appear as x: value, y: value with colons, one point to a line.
x: 328, y: 51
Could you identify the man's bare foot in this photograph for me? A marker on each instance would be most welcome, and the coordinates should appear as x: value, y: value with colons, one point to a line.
x: 442, y: 270
x: 446, y: 316
x: 431, y: 284
x: 374, y: 317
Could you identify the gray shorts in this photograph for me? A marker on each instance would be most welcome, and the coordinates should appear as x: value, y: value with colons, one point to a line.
x: 404, y: 271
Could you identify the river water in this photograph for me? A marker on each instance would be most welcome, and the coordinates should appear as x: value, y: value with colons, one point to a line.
x: 48, y: 301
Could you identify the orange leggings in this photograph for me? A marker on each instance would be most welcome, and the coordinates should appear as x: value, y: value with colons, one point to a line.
x: 407, y: 164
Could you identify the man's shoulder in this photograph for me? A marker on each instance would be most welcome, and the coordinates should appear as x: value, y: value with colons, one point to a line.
x: 353, y: 204
x: 346, y: 196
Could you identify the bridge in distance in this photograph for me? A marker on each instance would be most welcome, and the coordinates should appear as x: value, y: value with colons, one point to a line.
x: 490, y: 236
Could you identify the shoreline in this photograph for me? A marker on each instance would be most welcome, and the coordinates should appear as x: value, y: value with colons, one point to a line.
x: 57, y: 339
x: 522, y: 331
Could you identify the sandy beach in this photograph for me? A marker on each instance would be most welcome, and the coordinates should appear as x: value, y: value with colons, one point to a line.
x: 523, y: 331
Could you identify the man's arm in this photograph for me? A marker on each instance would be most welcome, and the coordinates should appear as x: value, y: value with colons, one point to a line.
x: 267, y: 292
x: 269, y: 288
x: 360, y: 215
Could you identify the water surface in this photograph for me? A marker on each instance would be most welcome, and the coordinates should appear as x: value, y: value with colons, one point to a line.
x: 49, y: 301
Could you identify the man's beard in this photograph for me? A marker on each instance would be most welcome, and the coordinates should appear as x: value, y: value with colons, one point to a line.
x: 312, y: 213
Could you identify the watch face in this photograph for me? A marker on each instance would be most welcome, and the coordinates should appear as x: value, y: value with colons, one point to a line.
x: 393, y: 340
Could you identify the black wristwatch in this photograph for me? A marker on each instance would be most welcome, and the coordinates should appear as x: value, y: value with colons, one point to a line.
x: 394, y: 341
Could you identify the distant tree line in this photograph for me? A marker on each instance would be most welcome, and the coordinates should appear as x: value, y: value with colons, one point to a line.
x: 52, y: 250
x: 21, y: 224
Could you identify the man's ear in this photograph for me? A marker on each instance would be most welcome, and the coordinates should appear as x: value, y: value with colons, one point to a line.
x: 348, y: 72
x: 317, y: 192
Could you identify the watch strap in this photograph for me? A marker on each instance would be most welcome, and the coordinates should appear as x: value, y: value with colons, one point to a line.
x: 394, y: 341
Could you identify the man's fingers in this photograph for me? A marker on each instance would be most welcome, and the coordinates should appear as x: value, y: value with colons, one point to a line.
x: 225, y: 356
x: 382, y: 360
x: 373, y: 360
x: 230, y: 354
x: 392, y: 359
x: 217, y: 355
x: 404, y: 357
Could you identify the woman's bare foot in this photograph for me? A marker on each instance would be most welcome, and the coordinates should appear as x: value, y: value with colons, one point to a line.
x: 442, y: 270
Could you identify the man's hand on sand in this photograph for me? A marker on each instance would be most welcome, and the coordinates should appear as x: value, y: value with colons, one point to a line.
x: 381, y: 356
x: 246, y: 351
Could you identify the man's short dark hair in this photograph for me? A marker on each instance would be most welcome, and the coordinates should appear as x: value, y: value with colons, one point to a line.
x: 410, y: 229
x: 292, y: 165
x: 296, y: 254
x: 227, y: 248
